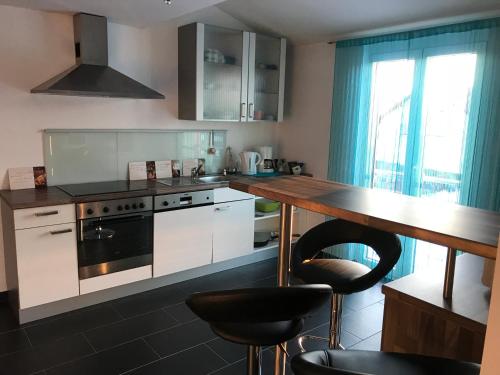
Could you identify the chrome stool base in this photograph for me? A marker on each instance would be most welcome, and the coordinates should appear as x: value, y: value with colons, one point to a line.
x: 254, y: 360
x: 304, y: 338
x: 335, y: 326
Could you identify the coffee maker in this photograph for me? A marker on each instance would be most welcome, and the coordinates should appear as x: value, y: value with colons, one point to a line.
x: 266, y: 165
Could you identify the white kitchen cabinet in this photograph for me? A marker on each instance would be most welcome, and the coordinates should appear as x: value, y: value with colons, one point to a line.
x: 233, y: 229
x: 47, y: 265
x: 41, y: 263
x: 229, y: 195
x: 42, y: 216
x: 230, y: 75
x: 182, y: 239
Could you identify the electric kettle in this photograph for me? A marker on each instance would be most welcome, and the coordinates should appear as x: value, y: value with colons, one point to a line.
x: 249, y: 162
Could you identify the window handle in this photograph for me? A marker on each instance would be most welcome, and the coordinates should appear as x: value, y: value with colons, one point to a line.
x: 243, y: 110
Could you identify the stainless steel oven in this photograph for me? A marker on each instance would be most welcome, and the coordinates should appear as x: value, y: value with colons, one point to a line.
x: 114, y: 235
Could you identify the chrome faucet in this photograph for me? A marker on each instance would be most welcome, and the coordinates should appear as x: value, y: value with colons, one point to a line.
x: 195, y: 172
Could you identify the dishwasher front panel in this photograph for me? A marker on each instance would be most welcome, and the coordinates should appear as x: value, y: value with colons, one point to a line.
x: 182, y: 239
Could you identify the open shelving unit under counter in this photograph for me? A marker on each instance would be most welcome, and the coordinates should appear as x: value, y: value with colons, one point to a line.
x: 270, y: 221
x: 266, y: 215
x: 272, y: 244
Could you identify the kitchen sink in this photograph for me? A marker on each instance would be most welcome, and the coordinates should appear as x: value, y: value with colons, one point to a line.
x: 187, y: 181
x: 211, y: 179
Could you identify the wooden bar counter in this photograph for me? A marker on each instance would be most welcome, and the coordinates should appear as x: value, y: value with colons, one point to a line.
x: 469, y: 229
x: 417, y: 319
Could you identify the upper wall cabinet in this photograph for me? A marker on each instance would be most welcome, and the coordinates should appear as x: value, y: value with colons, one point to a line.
x: 230, y: 75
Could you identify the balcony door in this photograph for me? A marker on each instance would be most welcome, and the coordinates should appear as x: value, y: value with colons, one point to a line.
x: 419, y: 114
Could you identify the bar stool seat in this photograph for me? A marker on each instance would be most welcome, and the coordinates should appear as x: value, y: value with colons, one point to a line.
x: 344, y: 276
x: 258, y: 316
x: 359, y: 362
x: 338, y: 272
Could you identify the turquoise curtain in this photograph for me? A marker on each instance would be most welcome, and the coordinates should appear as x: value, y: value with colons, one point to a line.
x: 482, y: 158
x: 401, y: 163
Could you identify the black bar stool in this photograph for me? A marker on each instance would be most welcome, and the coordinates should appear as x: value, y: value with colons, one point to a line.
x: 258, y: 316
x: 359, y: 362
x: 344, y: 276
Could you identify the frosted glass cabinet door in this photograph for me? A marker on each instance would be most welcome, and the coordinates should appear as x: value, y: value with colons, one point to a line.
x: 225, y: 74
x: 266, y: 78
x: 229, y: 75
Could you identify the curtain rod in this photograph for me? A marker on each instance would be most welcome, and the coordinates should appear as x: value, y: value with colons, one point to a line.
x: 417, y: 25
x: 51, y: 131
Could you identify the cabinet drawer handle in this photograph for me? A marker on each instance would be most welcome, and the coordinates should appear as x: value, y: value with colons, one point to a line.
x: 62, y: 231
x: 250, y: 110
x: 46, y: 213
x: 225, y: 208
x: 243, y: 110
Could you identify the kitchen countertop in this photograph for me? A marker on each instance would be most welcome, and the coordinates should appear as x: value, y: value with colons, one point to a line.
x: 27, y: 198
x: 52, y: 196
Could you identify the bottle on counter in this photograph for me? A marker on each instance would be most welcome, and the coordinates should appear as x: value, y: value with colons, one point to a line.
x: 230, y: 161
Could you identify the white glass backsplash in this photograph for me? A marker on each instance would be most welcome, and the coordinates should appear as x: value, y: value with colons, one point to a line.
x: 77, y: 156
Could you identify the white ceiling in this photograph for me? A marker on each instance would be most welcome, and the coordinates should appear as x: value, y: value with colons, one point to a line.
x: 306, y: 21
x: 302, y: 21
x: 139, y: 13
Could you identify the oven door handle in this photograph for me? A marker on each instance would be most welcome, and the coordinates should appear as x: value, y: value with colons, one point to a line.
x: 119, y: 220
x: 112, y: 220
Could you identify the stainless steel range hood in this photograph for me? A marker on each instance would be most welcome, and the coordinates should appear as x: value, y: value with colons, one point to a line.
x: 91, y: 76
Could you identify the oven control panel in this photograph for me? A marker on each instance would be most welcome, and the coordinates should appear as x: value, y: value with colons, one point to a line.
x: 113, y: 207
x: 184, y: 200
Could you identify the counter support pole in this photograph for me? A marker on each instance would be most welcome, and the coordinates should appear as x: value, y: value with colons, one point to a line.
x: 285, y: 243
x: 449, y: 273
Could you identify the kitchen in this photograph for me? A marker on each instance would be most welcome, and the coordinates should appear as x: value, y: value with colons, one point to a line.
x: 43, y: 47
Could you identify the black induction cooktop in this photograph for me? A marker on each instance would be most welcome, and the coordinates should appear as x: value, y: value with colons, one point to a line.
x: 107, y: 187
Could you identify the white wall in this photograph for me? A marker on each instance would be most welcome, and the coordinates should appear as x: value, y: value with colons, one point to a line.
x: 305, y: 133
x: 34, y: 46
x: 490, y: 365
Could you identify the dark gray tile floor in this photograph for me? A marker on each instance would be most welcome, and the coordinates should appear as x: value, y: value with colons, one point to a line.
x: 155, y: 333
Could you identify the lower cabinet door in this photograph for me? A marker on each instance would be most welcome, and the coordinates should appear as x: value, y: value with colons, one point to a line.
x: 233, y: 229
x: 47, y: 264
x: 182, y: 239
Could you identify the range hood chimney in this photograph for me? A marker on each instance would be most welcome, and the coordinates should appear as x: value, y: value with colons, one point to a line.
x: 91, y: 76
